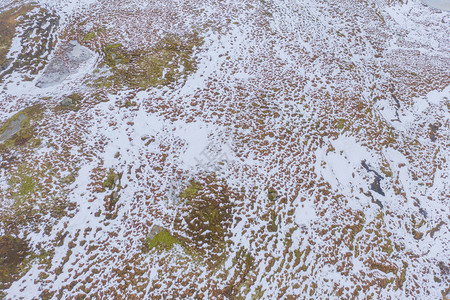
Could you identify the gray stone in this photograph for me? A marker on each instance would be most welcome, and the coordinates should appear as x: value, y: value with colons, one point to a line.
x: 154, y: 231
x: 67, y: 101
x: 59, y: 68
x: 13, y: 127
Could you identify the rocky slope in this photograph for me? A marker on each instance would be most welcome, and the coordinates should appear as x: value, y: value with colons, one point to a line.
x: 271, y: 149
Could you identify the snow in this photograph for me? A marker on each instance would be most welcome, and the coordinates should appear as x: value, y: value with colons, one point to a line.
x: 272, y: 80
x: 439, y: 4
x: 305, y: 213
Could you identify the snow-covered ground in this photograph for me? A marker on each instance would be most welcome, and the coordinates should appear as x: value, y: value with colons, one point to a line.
x: 301, y: 150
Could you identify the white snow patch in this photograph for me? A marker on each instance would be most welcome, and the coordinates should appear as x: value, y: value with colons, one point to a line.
x: 305, y: 213
x: 436, y: 97
x: 342, y: 168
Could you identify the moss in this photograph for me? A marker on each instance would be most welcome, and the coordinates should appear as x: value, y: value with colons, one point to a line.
x: 421, y: 223
x: 129, y: 103
x: 272, y: 194
x: 341, y: 123
x: 243, y: 263
x: 12, y: 253
x: 112, y: 182
x: 383, y: 268
x: 27, y: 208
x: 436, y: 228
x: 207, y: 216
x: 115, y: 55
x: 417, y: 234
x: 110, y: 179
x: 191, y: 191
x: 68, y: 179
x: 273, y: 227
x: 388, y: 248
x: 298, y: 256
x: 258, y: 294
x: 170, y: 60
x: 75, y: 97
x: 89, y: 36
x: 386, y: 170
x: 23, y: 181
x: 163, y: 241
x: 400, y: 280
x: 27, y: 185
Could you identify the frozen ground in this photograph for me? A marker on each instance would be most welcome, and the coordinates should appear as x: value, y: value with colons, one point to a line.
x: 226, y: 150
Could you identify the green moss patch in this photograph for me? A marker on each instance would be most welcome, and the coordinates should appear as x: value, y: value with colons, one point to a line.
x: 112, y: 184
x: 272, y: 194
x: 169, y: 61
x: 110, y: 180
x: 402, y: 278
x: 27, y: 185
x: 388, y: 248
x: 340, y: 123
x: 191, y: 191
x: 273, y: 224
x: 89, y: 36
x: 162, y: 241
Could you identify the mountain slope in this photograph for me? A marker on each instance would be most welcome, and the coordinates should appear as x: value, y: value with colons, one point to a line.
x: 222, y: 150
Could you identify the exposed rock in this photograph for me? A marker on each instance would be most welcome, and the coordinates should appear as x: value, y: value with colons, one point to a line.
x: 13, y: 127
x: 375, y: 185
x: 35, y: 29
x: 433, y: 130
x: 154, y: 231
x: 59, y: 68
x: 67, y: 101
x: 438, y: 4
